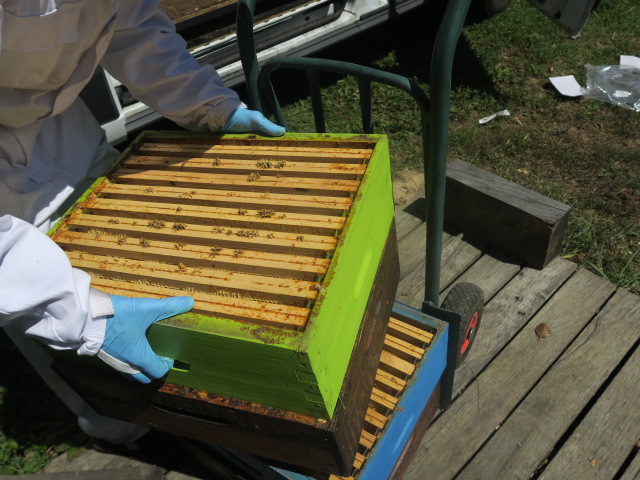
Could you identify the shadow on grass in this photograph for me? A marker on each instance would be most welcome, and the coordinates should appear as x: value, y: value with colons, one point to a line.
x: 34, y: 424
x: 402, y: 46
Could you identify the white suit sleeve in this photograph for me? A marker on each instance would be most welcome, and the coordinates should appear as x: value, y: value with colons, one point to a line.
x: 151, y: 59
x: 42, y: 296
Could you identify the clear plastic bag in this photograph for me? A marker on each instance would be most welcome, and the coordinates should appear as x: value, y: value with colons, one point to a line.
x: 616, y: 84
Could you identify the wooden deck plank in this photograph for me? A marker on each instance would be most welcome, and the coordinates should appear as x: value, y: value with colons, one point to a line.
x: 413, y: 248
x: 551, y: 407
x: 457, y: 256
x: 608, y: 434
x: 90, y: 460
x: 508, y: 311
x: 633, y: 470
x: 492, y: 270
x: 474, y: 416
x: 409, y: 217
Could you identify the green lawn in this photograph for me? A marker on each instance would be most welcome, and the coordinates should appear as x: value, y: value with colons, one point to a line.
x: 578, y: 151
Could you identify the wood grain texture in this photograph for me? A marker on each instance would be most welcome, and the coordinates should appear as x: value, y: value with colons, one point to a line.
x: 492, y: 270
x: 522, y: 222
x: 611, y: 428
x: 410, y: 216
x: 472, y: 418
x: 457, y: 256
x: 506, y: 314
x: 551, y: 407
x: 633, y: 469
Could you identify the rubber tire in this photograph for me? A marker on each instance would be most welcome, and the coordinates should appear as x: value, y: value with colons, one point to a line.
x: 467, y: 300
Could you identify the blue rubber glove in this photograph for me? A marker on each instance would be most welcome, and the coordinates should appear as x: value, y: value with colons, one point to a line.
x: 243, y: 120
x: 125, y: 346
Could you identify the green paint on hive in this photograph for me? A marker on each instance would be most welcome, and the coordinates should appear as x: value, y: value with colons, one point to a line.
x: 297, y: 371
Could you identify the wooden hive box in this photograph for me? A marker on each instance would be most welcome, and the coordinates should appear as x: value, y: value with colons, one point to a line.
x: 278, y: 240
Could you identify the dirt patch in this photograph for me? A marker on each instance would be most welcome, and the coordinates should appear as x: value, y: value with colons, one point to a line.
x: 406, y: 185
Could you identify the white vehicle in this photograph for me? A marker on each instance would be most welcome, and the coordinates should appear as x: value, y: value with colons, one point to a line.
x: 293, y: 27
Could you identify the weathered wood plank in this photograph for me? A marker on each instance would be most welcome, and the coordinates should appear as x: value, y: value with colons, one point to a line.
x: 522, y: 222
x: 473, y: 417
x: 605, y: 437
x: 505, y: 314
x: 410, y: 216
x: 457, y: 256
x: 137, y: 472
x: 412, y: 249
x: 633, y: 470
x: 518, y: 447
x: 492, y: 271
x: 91, y: 460
x: 187, y: 470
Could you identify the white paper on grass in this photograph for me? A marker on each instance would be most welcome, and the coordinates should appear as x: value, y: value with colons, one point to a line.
x: 616, y: 84
x: 569, y: 86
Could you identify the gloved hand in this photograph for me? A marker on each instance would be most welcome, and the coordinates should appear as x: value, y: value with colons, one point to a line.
x: 125, y: 346
x: 243, y: 120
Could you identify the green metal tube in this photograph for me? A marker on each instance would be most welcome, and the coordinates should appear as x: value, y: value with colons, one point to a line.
x: 438, y: 138
x: 246, y: 45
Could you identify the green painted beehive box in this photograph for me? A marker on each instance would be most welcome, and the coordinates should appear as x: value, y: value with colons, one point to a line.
x: 277, y: 239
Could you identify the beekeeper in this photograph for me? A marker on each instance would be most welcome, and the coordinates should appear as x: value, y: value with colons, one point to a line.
x: 50, y: 144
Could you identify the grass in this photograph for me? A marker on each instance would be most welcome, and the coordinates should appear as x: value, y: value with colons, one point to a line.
x: 581, y: 152
x: 36, y: 426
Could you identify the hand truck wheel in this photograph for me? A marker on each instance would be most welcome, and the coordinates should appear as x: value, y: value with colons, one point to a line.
x: 467, y: 300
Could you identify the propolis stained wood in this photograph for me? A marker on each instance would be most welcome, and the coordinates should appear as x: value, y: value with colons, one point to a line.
x: 277, y: 239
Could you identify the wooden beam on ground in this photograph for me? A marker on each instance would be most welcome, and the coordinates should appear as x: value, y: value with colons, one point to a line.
x: 520, y: 221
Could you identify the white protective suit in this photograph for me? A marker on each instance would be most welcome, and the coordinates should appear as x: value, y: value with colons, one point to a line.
x: 50, y: 143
